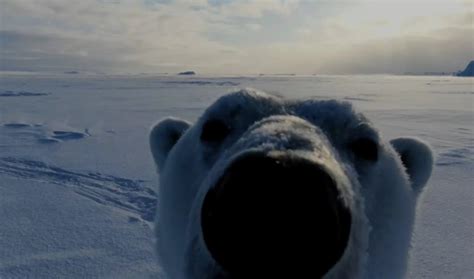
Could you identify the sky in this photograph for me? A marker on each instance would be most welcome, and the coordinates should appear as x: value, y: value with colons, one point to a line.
x: 230, y: 37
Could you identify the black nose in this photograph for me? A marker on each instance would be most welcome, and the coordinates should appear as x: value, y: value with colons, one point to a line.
x: 275, y: 217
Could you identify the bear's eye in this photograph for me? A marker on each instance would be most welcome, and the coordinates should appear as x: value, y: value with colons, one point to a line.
x: 214, y: 131
x: 365, y: 148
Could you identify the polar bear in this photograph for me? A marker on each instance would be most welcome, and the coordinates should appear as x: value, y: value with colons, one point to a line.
x: 263, y: 187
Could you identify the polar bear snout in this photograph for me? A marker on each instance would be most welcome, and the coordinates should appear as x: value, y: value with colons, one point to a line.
x: 273, y: 216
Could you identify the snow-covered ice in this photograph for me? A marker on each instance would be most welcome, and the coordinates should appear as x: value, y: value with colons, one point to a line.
x: 77, y: 181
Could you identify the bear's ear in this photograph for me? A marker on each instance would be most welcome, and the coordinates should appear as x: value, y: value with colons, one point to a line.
x: 163, y: 136
x: 417, y: 157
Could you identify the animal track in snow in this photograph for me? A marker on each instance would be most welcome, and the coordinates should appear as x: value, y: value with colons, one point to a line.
x: 27, y: 133
x: 130, y: 195
x: 67, y: 135
x: 9, y: 93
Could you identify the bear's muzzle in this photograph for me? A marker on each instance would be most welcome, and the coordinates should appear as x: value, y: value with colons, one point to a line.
x: 273, y: 216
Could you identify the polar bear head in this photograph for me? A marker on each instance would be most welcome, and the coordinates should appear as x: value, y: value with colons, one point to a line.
x: 263, y: 187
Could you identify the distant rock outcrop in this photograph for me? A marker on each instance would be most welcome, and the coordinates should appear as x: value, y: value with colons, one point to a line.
x: 468, y: 72
x: 187, y: 73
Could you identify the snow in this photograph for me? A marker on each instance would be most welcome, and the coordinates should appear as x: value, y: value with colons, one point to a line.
x: 49, y: 231
x: 77, y: 179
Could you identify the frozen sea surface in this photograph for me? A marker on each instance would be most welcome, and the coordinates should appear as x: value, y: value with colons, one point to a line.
x: 77, y: 183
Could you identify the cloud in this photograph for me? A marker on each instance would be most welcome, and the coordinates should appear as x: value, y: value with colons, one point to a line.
x: 407, y: 54
x: 40, y: 52
x: 256, y: 9
x: 124, y: 33
x: 236, y: 37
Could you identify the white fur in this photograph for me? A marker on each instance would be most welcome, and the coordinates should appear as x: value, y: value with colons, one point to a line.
x: 163, y: 137
x: 420, y: 158
x: 381, y: 195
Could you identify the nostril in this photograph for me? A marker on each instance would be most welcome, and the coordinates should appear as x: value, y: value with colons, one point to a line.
x: 273, y: 216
